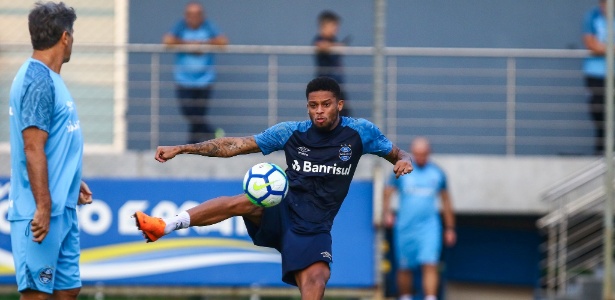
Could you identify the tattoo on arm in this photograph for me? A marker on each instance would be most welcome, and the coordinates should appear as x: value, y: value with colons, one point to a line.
x: 223, y: 147
x: 393, y: 156
x: 396, y: 155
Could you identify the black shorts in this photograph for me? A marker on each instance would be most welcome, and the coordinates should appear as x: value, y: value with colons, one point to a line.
x: 298, y: 250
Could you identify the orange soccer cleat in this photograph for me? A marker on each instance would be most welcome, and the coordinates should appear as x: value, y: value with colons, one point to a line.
x: 151, y: 227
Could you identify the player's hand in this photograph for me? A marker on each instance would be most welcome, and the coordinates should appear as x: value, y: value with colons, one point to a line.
x: 164, y: 153
x: 450, y: 237
x: 402, y: 167
x: 40, y: 224
x: 85, y: 195
x: 388, y: 219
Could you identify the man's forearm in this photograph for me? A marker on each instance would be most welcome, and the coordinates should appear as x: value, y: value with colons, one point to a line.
x: 36, y: 163
x: 397, y: 155
x: 386, y: 200
x: 221, y: 147
x: 447, y: 210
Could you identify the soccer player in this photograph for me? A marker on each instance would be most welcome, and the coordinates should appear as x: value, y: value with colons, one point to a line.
x: 299, y: 227
x: 418, y: 230
x: 46, y: 152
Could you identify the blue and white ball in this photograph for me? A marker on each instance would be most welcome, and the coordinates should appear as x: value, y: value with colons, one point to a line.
x: 265, y: 184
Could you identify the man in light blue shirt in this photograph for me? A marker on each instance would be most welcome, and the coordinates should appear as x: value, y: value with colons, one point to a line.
x: 417, y: 232
x: 194, y: 72
x: 594, y: 68
x: 46, y: 152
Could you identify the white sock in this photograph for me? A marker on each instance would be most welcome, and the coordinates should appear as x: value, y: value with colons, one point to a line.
x: 180, y: 221
x: 405, y: 297
x: 431, y: 297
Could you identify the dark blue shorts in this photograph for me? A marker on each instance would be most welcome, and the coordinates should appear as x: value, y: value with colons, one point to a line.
x: 298, y: 250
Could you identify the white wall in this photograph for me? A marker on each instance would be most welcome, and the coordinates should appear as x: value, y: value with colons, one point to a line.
x: 478, y: 183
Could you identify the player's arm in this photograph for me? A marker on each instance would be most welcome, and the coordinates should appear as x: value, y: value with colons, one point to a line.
x: 220, y: 147
x: 388, y: 217
x: 450, y: 236
x: 85, y: 194
x: 170, y: 39
x: 594, y: 45
x: 219, y: 40
x: 590, y: 39
x: 36, y: 164
x: 325, y: 45
x: 402, y: 164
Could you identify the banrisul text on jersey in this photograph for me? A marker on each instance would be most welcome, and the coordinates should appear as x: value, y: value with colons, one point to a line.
x: 310, y: 167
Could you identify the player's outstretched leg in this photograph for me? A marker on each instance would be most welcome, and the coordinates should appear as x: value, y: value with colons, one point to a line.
x: 207, y: 213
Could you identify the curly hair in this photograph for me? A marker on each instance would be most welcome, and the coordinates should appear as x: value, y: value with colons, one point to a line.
x: 323, y: 83
x: 47, y: 22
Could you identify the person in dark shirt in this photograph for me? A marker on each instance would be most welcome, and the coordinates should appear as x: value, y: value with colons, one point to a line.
x: 328, y: 63
x: 322, y: 155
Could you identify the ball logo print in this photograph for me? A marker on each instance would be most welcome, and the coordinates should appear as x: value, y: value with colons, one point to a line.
x: 258, y: 187
x: 265, y: 184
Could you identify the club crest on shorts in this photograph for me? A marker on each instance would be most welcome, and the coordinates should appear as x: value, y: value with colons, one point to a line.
x: 45, y: 276
x: 345, y: 152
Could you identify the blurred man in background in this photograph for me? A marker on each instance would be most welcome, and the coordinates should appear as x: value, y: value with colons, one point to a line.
x: 46, y: 153
x: 330, y: 64
x: 594, y: 67
x: 194, y: 72
x: 417, y: 230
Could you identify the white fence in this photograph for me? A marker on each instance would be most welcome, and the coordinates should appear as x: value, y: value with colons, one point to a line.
x: 482, y: 101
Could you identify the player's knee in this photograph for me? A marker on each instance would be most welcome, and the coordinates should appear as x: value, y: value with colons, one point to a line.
x: 316, y: 281
x: 34, y: 295
x: 315, y: 276
x: 67, y: 294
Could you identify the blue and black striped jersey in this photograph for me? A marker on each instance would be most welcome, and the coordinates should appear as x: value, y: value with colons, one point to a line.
x: 321, y: 165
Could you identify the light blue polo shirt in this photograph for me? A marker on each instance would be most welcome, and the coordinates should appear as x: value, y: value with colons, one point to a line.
x: 419, y: 192
x: 192, y: 69
x: 595, y: 23
x: 39, y: 98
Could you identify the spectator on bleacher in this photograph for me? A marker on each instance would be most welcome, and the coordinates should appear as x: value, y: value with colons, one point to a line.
x: 594, y: 67
x: 417, y: 228
x: 329, y: 64
x: 194, y: 72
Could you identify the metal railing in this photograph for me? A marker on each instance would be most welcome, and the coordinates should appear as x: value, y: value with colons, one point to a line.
x: 466, y: 100
x: 574, y: 228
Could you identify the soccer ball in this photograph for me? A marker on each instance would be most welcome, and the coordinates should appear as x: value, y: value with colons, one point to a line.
x: 265, y: 184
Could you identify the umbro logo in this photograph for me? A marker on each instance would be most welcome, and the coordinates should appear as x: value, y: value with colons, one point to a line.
x: 303, y: 151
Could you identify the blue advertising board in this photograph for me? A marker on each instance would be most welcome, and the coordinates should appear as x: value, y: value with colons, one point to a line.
x: 114, y: 253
